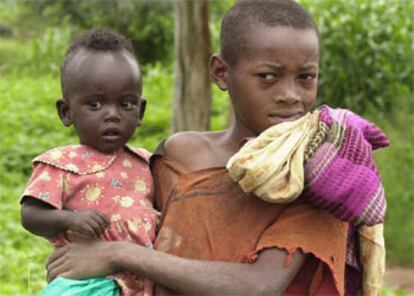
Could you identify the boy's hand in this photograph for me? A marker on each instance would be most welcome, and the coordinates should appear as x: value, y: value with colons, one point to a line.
x: 89, y: 223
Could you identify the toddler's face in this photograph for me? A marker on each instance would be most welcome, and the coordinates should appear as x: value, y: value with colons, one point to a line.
x: 104, y: 98
x: 276, y: 77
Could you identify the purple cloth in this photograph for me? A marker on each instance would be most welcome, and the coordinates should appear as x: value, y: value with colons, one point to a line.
x: 342, y: 178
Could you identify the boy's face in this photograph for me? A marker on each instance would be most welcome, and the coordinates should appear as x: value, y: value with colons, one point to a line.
x: 103, y: 98
x: 274, y: 79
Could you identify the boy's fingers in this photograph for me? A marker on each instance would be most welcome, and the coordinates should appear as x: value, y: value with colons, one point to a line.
x: 57, y: 272
x: 54, y: 268
x: 59, y: 252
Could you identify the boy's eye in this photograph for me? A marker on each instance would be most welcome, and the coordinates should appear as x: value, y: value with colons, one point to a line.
x: 267, y: 76
x: 307, y: 76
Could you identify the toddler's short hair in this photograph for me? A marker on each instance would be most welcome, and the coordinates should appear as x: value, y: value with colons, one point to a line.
x: 239, y: 20
x: 94, y: 40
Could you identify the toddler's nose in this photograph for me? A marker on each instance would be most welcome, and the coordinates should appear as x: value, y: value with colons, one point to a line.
x: 112, y: 114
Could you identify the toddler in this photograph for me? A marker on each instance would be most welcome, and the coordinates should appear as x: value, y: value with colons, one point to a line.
x: 101, y: 188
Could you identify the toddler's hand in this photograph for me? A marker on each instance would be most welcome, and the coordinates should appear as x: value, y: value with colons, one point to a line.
x: 89, y: 223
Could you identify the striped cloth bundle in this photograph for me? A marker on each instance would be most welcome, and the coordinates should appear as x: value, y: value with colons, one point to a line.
x: 340, y: 172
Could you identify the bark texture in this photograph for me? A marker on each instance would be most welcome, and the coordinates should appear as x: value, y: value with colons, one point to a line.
x: 192, y: 91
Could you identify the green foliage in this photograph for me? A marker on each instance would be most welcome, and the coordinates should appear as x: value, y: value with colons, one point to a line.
x: 390, y: 292
x: 148, y: 23
x: 46, y: 52
x: 395, y: 164
x: 367, y: 53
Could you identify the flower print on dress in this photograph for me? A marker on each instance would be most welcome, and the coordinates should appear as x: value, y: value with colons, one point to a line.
x: 91, y: 194
x: 72, y: 167
x: 132, y: 225
x: 72, y: 154
x: 45, y: 176
x: 100, y: 174
x: 44, y: 195
x: 126, y: 163
x: 87, y: 154
x: 116, y: 218
x: 55, y: 155
x: 140, y: 185
x: 115, y: 183
x: 97, y: 167
x: 124, y: 201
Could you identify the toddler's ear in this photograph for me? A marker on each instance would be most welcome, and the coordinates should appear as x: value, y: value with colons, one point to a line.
x: 142, y: 106
x: 218, y: 71
x: 63, y: 111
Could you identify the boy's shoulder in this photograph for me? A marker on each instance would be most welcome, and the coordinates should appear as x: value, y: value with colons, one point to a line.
x: 184, y: 142
x: 189, y: 147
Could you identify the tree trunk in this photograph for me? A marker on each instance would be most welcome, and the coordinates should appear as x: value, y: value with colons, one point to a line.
x: 192, y: 94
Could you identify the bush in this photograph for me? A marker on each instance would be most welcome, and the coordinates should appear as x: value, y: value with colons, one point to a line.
x: 366, y: 52
x: 149, y: 24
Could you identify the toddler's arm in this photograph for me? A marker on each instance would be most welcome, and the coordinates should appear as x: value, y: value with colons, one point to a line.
x: 42, y: 219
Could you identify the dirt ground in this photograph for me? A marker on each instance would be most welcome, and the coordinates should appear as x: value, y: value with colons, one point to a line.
x: 401, y: 278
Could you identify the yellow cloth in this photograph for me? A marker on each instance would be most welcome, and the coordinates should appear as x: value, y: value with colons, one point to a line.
x: 271, y: 166
x: 280, y: 180
x: 372, y: 254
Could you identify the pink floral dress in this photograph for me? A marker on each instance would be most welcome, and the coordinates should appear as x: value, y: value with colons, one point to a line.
x: 119, y: 185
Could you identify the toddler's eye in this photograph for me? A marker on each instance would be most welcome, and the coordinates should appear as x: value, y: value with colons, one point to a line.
x: 127, y: 104
x: 94, y: 104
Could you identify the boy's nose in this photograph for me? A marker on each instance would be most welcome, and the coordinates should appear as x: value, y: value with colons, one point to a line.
x: 288, y: 93
x: 112, y: 114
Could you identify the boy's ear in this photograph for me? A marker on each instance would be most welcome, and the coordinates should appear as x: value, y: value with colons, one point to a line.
x: 63, y: 111
x: 218, y: 71
x: 142, y: 106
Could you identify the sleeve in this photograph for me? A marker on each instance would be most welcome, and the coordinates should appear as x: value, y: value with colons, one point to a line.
x: 313, y: 231
x: 47, y: 184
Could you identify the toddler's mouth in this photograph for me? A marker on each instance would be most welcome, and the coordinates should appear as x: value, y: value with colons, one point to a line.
x: 111, y: 134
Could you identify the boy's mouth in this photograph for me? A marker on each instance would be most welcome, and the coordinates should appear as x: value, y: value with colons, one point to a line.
x: 282, y: 117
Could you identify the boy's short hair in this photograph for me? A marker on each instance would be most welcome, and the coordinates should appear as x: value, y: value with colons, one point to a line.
x: 239, y: 20
x: 99, y: 40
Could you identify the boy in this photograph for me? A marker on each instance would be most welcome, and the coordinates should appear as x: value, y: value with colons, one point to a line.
x: 100, y: 188
x: 269, y: 65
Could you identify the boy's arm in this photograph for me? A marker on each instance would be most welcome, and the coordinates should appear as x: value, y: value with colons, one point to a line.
x: 267, y: 276
x: 42, y: 219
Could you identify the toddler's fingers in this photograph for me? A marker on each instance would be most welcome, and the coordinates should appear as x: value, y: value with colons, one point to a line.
x: 87, y: 230
x: 102, y: 223
x: 96, y: 227
x: 72, y: 235
x: 104, y: 218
